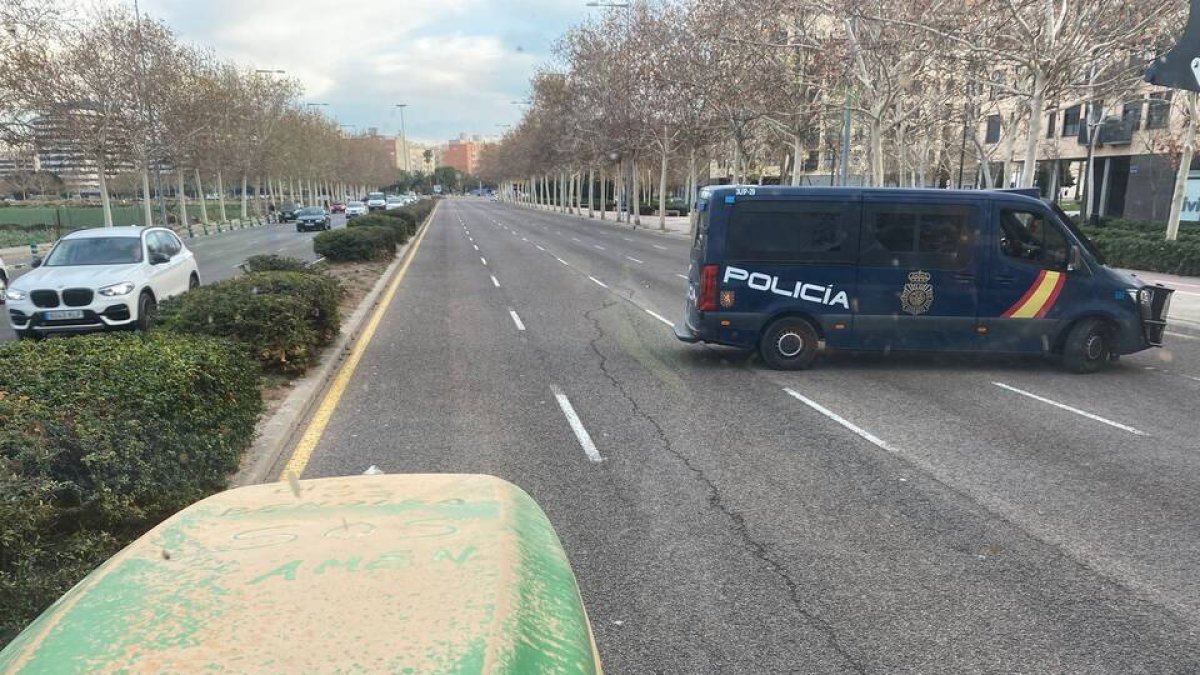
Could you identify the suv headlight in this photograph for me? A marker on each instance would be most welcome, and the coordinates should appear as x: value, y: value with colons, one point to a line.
x: 14, y: 295
x: 123, y: 288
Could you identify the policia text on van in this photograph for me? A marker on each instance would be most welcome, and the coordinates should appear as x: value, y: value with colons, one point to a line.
x: 794, y: 270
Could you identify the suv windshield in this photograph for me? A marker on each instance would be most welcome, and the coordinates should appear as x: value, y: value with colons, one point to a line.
x: 96, y: 251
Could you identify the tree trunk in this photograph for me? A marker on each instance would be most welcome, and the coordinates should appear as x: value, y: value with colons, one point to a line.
x: 662, y: 192
x: 147, y: 211
x: 105, y: 203
x: 245, y: 204
x: 203, y: 201
x: 797, y: 149
x: 603, y: 193
x: 635, y: 205
x: 183, y: 214
x: 692, y: 188
x: 221, y: 197
x: 876, y: 140
x: 1185, y: 165
x: 1037, y: 104
x: 591, y: 192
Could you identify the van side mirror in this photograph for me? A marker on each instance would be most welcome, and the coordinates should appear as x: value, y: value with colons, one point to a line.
x: 36, y: 262
x: 1075, y: 261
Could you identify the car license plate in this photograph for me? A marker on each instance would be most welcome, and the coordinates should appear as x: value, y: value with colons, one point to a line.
x: 64, y: 314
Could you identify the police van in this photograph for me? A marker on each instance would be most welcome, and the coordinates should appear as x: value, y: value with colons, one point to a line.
x: 793, y: 271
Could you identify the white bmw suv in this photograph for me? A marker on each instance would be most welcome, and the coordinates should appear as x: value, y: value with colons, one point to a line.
x: 100, y: 279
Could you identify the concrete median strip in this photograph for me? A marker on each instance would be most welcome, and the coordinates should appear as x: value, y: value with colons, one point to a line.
x: 314, y: 396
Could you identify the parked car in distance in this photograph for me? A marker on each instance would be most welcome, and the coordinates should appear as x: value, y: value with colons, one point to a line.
x: 312, y: 218
x: 394, y: 203
x: 356, y: 209
x: 337, y: 207
x: 287, y: 212
x: 3, y: 280
x: 376, y: 201
x: 101, y: 279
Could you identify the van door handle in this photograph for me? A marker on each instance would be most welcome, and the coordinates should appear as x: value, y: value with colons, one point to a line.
x: 964, y: 276
x: 1004, y: 279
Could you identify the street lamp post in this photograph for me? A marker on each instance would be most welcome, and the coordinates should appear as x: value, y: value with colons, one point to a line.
x: 403, y: 137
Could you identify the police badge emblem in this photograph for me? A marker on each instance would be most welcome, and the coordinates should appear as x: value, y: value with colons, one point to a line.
x: 917, y: 296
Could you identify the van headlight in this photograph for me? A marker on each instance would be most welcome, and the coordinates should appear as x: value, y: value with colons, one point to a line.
x: 123, y: 288
x: 14, y: 295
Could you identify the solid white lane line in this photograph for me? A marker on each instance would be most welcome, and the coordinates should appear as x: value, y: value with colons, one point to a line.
x: 540, y: 248
x: 483, y: 260
x: 494, y: 282
x: 598, y: 247
x: 661, y: 248
x: 1181, y: 335
x: 585, y: 439
x: 563, y: 262
x: 658, y: 316
x: 634, y: 259
x: 516, y: 319
x: 598, y: 282
x: 1068, y: 408
x: 681, y: 276
x: 859, y: 431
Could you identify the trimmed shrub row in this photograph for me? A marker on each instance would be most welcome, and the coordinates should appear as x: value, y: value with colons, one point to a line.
x: 1141, y: 245
x: 100, y: 438
x: 281, y: 318
x: 362, y: 239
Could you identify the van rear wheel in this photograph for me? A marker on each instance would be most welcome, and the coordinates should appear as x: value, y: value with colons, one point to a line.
x: 789, y: 344
x: 1088, y: 346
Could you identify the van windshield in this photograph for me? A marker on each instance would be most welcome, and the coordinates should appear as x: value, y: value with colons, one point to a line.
x: 1069, y: 223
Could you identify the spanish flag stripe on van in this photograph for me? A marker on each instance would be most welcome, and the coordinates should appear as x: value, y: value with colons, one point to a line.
x: 1039, y: 298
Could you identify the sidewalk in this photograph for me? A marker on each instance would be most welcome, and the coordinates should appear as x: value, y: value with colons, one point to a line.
x: 1185, y: 303
x: 676, y: 225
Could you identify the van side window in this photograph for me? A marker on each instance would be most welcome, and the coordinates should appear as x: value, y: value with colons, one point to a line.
x: 1031, y: 237
x: 792, y: 231
x: 936, y: 236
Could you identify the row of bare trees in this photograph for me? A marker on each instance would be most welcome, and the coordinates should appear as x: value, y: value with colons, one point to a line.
x: 121, y: 93
x: 674, y: 87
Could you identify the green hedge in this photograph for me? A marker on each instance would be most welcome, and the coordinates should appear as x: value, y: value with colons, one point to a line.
x: 275, y: 263
x: 1142, y: 245
x: 282, y: 318
x: 100, y: 438
x: 358, y: 243
x: 389, y: 221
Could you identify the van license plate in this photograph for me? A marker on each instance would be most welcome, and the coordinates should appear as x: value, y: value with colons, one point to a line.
x: 64, y: 314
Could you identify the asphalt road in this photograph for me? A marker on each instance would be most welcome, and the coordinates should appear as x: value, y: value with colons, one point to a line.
x: 219, y: 255
x: 894, y: 514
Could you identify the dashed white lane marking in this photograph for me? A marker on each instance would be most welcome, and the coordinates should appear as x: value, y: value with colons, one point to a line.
x: 1077, y: 411
x: 681, y: 276
x: 563, y: 262
x: 524, y: 239
x: 540, y: 248
x: 574, y: 239
x: 483, y: 260
x: 598, y: 247
x: 859, y: 431
x: 516, y: 319
x: 626, y: 238
x: 494, y: 282
x: 598, y: 282
x: 661, y: 248
x: 1181, y: 335
x: 568, y: 410
x: 658, y: 316
x: 476, y: 246
x: 634, y: 259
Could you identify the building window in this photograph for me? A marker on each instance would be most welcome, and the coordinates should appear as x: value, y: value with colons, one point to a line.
x: 1051, y: 124
x: 1131, y: 115
x: 1159, y: 113
x: 1071, y: 121
x: 993, y: 129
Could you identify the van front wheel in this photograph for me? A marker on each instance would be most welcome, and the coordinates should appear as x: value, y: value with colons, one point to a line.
x: 1088, y: 346
x: 789, y: 344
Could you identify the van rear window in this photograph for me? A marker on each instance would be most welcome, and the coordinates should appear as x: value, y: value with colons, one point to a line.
x: 792, y: 231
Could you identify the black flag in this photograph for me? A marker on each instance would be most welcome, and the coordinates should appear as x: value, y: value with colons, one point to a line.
x: 1180, y: 67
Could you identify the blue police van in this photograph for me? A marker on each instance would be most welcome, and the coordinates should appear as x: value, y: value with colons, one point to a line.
x: 793, y: 271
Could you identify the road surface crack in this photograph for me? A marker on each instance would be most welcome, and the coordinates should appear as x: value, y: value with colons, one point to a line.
x: 715, y: 500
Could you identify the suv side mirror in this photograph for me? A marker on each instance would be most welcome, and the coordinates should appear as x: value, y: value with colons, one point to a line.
x: 158, y: 258
x: 35, y: 262
x: 1075, y: 261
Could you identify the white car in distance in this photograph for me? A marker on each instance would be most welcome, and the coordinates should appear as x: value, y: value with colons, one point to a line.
x: 101, y: 279
x: 354, y: 209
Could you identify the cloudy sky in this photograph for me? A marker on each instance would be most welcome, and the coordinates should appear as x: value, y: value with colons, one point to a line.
x: 458, y: 64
